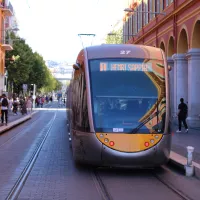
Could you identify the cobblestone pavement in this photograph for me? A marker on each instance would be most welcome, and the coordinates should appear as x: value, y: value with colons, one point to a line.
x: 54, y: 175
x: 16, y: 148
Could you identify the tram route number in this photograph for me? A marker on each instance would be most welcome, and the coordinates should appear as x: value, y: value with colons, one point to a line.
x: 105, y: 66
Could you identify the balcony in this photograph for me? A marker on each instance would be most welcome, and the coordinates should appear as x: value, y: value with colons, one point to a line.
x: 7, y: 44
x: 7, y: 10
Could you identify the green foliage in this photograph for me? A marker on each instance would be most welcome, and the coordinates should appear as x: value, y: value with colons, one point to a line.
x: 115, y: 38
x: 28, y: 68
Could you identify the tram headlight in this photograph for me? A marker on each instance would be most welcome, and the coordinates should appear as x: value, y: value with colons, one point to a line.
x: 156, y: 136
x: 152, y: 141
x: 106, y: 140
x: 101, y: 135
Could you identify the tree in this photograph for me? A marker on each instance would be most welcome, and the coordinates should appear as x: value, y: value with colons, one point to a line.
x: 29, y: 68
x: 116, y: 37
x: 18, y: 71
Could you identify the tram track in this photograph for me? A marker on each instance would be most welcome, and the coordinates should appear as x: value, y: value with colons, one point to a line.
x: 18, y: 186
x: 106, y: 195
x: 22, y: 130
x: 170, y: 186
x: 100, y: 186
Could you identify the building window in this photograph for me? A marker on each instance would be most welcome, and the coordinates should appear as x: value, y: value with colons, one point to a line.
x: 145, y: 8
x: 126, y: 31
x: 136, y: 20
x: 160, y: 6
x: 140, y: 17
x: 168, y: 2
x: 151, y: 9
x: 135, y: 23
x: 130, y: 27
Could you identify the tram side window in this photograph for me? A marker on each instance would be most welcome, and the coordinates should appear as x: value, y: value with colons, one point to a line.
x: 80, y: 111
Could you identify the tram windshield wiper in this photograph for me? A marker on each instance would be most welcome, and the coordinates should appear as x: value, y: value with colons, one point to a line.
x: 135, y: 130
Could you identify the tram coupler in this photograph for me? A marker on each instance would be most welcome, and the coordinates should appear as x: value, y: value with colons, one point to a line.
x: 189, y: 168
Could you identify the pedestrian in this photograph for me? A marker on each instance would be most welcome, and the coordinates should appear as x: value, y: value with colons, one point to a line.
x: 10, y: 104
x: 29, y: 105
x: 4, y: 109
x: 15, y: 106
x: 182, y: 115
x: 23, y: 106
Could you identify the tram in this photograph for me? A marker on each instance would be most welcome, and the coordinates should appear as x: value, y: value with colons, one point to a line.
x: 118, y: 106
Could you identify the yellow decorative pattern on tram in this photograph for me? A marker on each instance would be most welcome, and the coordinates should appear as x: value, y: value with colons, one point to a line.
x: 129, y: 142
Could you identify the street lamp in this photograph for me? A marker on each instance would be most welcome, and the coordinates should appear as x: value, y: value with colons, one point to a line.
x: 85, y: 34
x: 114, y: 34
x: 132, y: 10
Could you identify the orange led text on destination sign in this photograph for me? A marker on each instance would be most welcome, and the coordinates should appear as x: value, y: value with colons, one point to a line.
x: 125, y: 67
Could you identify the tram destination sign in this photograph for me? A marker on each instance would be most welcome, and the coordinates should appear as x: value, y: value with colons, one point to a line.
x: 125, y: 66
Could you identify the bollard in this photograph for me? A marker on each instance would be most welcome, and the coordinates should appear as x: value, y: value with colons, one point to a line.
x: 189, y: 168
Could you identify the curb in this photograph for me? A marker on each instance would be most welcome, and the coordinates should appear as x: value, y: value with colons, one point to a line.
x: 180, y: 162
x: 16, y: 123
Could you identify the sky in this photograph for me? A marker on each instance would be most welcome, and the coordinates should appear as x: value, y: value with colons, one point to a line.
x: 51, y: 27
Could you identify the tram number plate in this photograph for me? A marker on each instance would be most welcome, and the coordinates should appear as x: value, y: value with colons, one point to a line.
x: 116, y: 130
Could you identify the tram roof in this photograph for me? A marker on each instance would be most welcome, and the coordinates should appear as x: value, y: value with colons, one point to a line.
x: 123, y: 51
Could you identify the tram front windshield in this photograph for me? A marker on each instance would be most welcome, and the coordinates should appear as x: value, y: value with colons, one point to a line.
x: 124, y: 92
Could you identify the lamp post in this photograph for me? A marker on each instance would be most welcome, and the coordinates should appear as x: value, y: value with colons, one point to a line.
x: 132, y: 35
x: 34, y: 96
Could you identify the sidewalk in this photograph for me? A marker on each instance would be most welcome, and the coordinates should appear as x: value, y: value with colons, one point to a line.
x: 14, y: 120
x: 180, y: 141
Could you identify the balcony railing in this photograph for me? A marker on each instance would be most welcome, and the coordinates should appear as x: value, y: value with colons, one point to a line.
x: 7, y: 10
x: 7, y: 44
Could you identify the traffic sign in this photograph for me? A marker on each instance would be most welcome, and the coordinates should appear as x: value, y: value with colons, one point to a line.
x: 25, y: 87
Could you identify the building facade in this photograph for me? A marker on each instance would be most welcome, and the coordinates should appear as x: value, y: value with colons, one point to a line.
x: 174, y: 26
x: 6, y: 11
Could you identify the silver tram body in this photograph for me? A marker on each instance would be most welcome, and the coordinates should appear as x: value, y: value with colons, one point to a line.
x: 86, y: 146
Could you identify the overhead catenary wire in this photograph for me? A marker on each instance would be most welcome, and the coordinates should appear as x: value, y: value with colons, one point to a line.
x: 94, y: 35
x: 87, y: 36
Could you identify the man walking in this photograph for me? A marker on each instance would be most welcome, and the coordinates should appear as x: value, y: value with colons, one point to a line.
x: 182, y: 115
x: 4, y: 109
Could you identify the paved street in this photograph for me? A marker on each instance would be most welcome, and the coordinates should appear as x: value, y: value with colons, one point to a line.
x: 55, y: 176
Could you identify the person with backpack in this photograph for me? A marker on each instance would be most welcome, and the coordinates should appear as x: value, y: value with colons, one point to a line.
x: 4, y: 109
x: 182, y: 115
